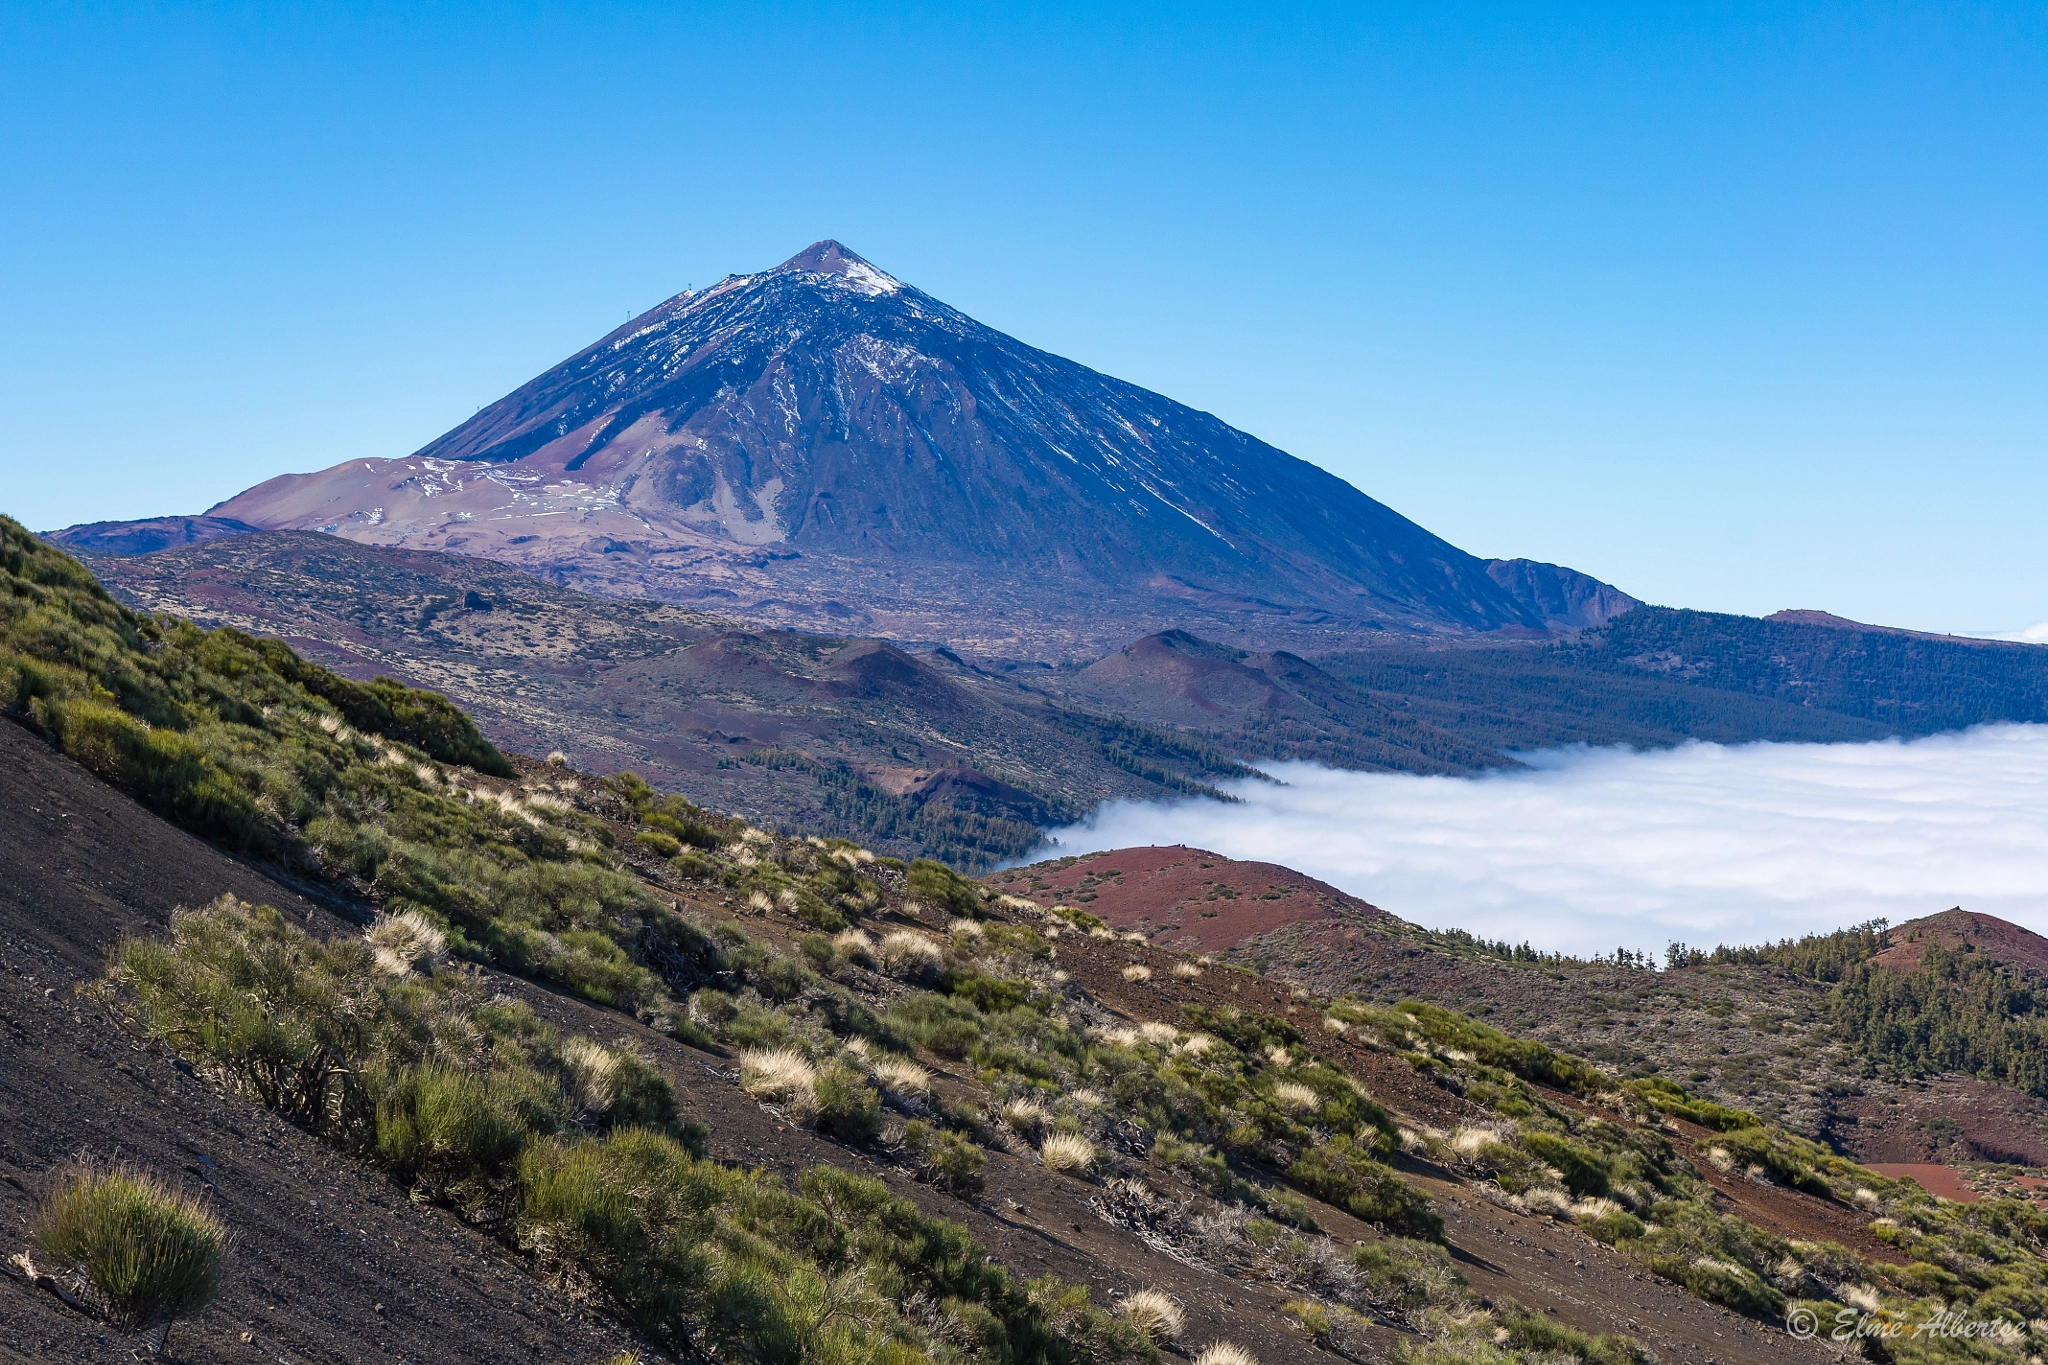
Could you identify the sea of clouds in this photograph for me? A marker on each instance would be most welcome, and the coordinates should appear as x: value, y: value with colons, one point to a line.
x: 1586, y: 850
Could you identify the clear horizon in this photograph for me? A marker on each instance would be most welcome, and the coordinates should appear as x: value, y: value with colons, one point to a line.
x: 1738, y: 310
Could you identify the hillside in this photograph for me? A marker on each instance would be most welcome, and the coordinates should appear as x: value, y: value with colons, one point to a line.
x: 846, y: 737
x: 1788, y: 1030
x: 821, y: 446
x: 774, y: 1097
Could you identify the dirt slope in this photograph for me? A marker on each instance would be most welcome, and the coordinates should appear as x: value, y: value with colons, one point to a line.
x: 332, y: 1262
x: 1185, y: 898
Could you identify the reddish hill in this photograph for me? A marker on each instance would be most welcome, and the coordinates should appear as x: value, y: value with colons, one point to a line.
x: 1184, y: 898
x: 2001, y: 939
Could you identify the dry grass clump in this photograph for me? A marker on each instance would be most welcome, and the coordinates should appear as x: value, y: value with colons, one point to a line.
x: 904, y: 953
x: 1473, y: 1144
x: 857, y: 946
x: 1102, y: 931
x: 780, y: 1073
x: 1026, y: 1116
x: 965, y: 928
x: 1133, y: 936
x: 1154, y: 1314
x: 1195, y: 1044
x: 1066, y: 1152
x: 1118, y: 1037
x: 1185, y: 970
x: 1295, y: 1098
x: 1225, y: 1353
x: 596, y: 1070
x: 406, y: 942
x: 1593, y: 1208
x: 147, y: 1254
x: 1279, y: 1056
x: 902, y: 1077
x: 1164, y: 1034
x: 1721, y: 1158
x: 1332, y: 1024
x: 1859, y: 1296
x: 1545, y: 1199
x: 1137, y: 971
x: 760, y: 903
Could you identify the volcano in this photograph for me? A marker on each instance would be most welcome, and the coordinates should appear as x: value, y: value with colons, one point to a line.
x: 823, y: 446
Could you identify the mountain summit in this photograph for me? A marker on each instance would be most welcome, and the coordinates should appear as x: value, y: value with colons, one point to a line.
x: 823, y: 445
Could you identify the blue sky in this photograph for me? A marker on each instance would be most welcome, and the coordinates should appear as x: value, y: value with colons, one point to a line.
x: 1738, y: 308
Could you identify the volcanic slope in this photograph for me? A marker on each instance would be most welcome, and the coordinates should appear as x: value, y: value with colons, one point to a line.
x: 823, y: 446
x: 1762, y: 1029
x: 910, y: 753
x: 1107, y: 1113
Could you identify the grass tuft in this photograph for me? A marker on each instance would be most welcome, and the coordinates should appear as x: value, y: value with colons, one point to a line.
x: 1154, y: 1314
x: 1225, y: 1353
x: 149, y: 1254
x: 1067, y: 1152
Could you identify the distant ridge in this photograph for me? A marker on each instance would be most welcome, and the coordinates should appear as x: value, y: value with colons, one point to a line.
x: 144, y: 537
x: 821, y: 445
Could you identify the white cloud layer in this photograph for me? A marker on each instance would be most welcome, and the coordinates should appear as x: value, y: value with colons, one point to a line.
x: 1588, y: 850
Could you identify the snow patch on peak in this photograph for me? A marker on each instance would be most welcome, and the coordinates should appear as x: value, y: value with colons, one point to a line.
x: 861, y: 276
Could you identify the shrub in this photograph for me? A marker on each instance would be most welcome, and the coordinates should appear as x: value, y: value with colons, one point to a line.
x: 1339, y: 1172
x: 945, y: 1158
x: 936, y: 884
x: 667, y: 845
x: 406, y: 942
x: 948, y: 1027
x: 632, y: 1213
x: 1585, y: 1174
x: 848, y: 1107
x: 149, y: 1254
x: 448, y: 1133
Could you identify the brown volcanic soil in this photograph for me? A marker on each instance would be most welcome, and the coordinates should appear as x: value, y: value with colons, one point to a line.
x: 1953, y: 929
x: 1185, y: 898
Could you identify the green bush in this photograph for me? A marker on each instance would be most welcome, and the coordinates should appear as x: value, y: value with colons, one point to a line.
x: 150, y: 1254
x: 633, y: 1213
x: 938, y: 885
x: 948, y: 1027
x: 1340, y: 1172
x: 1584, y: 1172
x: 654, y: 840
x: 1730, y: 1285
x: 1617, y: 1226
x: 449, y: 1135
x: 849, y: 1108
x: 945, y: 1158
